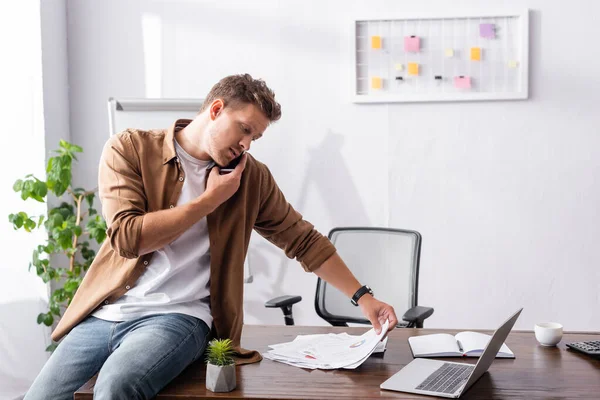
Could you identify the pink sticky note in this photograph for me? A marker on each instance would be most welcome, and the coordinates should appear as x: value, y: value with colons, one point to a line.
x: 412, y: 44
x: 487, y: 31
x: 462, y: 82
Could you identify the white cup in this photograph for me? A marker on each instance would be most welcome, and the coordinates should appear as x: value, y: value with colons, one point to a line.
x: 548, y: 333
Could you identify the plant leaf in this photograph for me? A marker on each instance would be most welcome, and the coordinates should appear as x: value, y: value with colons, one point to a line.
x: 18, y: 185
x: 48, y: 319
x: 220, y: 352
x: 52, y: 347
x: 71, y: 286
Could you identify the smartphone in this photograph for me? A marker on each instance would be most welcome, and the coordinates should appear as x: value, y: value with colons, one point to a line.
x: 231, y: 166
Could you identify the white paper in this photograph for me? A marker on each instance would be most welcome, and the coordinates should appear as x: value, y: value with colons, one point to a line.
x: 328, y: 351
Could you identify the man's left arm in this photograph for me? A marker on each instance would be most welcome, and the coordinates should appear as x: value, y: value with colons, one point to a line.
x: 283, y: 226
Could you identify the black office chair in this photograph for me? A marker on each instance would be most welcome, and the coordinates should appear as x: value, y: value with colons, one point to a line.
x: 385, y: 259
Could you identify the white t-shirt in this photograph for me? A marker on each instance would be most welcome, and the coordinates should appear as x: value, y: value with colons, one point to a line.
x: 177, y: 279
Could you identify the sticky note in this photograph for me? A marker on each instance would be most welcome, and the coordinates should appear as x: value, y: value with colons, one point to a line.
x: 398, y: 67
x: 487, y: 31
x: 513, y: 64
x: 412, y: 44
x: 475, y: 54
x: 449, y: 52
x: 462, y: 82
x: 413, y: 69
x: 376, y: 82
x: 375, y: 42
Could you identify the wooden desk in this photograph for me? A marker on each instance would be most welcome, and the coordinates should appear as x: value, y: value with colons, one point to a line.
x: 537, y: 372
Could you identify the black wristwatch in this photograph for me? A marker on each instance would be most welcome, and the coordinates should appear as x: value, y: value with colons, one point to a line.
x: 359, y: 293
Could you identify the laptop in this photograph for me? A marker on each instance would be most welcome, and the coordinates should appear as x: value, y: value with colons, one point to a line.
x: 448, y: 379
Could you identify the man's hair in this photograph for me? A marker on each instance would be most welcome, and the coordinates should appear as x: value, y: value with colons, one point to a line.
x: 239, y: 90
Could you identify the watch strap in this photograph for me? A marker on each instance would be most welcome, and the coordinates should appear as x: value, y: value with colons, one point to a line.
x: 360, y: 293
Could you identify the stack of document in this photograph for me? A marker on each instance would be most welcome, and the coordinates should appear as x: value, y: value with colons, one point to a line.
x: 329, y: 351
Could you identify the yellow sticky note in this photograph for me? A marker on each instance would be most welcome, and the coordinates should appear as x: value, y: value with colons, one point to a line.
x: 375, y: 42
x: 398, y: 67
x: 475, y: 54
x: 376, y: 82
x: 413, y: 69
x: 449, y: 52
x: 513, y: 64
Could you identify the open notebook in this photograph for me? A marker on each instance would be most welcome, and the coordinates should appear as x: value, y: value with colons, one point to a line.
x: 463, y: 344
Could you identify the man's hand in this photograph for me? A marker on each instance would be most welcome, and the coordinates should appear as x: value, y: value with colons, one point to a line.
x: 377, y: 312
x: 221, y: 187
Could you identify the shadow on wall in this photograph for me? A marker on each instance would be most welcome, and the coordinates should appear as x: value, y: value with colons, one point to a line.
x: 20, y: 361
x: 328, y: 174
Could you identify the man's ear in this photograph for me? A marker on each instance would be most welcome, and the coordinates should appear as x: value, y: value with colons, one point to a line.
x: 216, y: 108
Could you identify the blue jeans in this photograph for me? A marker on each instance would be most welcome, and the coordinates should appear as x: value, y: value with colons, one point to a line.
x: 136, y: 358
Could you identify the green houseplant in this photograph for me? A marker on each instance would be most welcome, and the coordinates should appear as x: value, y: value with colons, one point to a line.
x: 66, y: 253
x: 220, y: 368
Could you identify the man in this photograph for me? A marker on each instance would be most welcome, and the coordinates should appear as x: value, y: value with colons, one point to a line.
x: 170, y: 274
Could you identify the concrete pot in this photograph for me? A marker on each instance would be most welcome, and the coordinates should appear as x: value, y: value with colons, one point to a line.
x: 220, y: 379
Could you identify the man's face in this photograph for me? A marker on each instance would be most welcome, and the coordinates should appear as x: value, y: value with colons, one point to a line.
x: 232, y: 129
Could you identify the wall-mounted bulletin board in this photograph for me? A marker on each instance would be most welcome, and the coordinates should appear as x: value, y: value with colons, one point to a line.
x: 442, y: 58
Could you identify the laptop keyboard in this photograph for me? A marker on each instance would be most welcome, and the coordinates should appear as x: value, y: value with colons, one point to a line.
x: 447, y: 378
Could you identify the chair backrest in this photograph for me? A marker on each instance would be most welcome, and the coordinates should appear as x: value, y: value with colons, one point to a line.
x: 385, y: 259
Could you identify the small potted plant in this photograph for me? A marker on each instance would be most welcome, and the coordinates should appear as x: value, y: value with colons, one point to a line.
x: 220, y: 368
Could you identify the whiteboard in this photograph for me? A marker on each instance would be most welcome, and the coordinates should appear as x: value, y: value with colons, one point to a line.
x: 442, y: 57
x: 155, y: 114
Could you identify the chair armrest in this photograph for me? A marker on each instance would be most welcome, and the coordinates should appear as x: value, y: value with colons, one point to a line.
x: 416, y: 315
x: 282, y: 301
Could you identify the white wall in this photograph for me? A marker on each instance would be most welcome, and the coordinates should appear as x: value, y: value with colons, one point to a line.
x: 23, y: 295
x: 55, y: 72
x: 503, y: 192
x: 56, y: 92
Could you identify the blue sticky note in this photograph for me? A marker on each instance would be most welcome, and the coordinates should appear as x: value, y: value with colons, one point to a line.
x: 487, y: 31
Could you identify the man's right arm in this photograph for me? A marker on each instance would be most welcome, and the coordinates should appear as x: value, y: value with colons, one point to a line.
x: 132, y: 231
x: 160, y: 228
